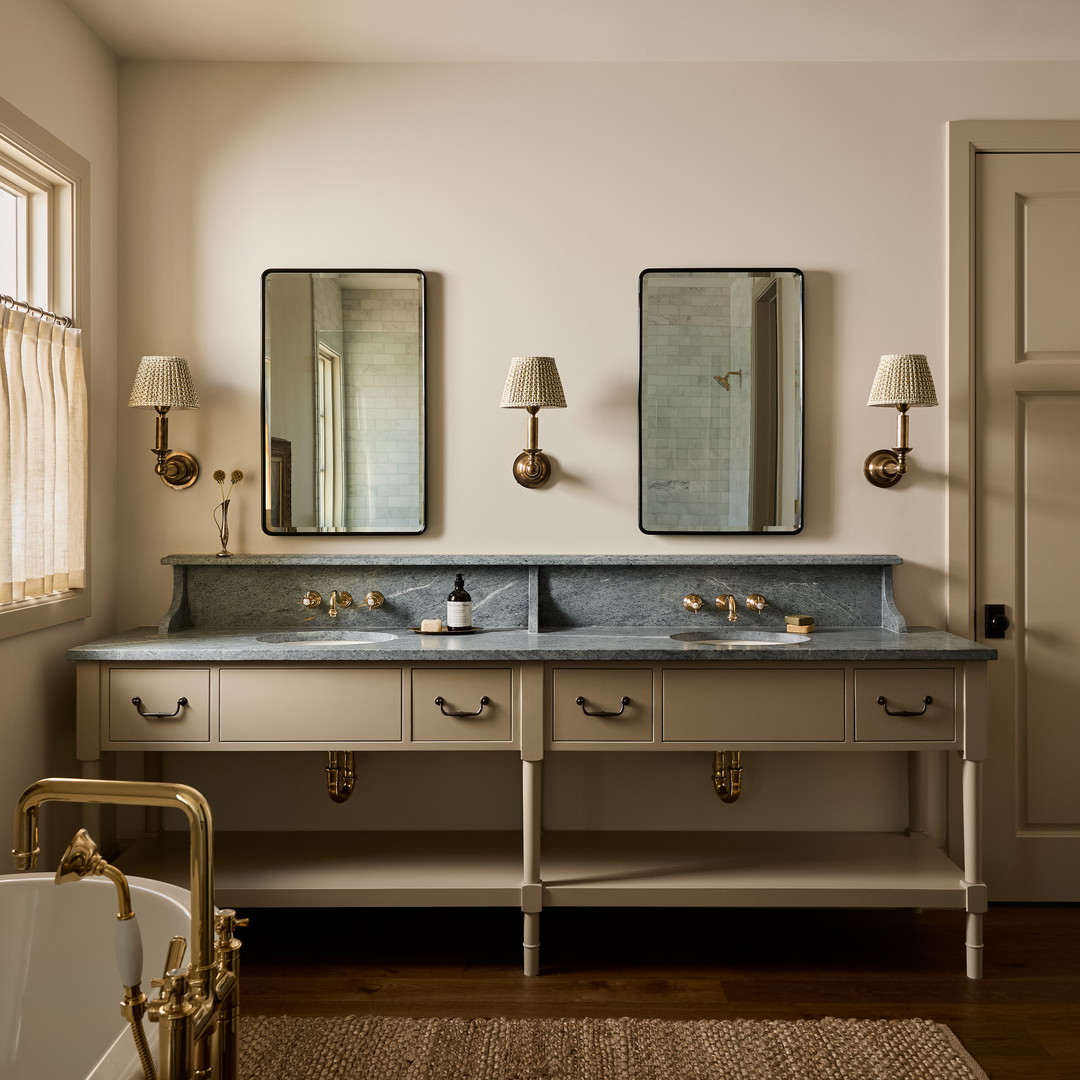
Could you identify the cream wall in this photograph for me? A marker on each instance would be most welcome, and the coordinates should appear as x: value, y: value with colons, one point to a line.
x: 57, y: 74
x: 533, y: 195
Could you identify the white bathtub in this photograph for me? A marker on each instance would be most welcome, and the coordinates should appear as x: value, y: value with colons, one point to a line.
x: 60, y: 992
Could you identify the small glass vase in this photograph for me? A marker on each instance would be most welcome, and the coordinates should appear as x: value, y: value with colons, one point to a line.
x: 221, y: 519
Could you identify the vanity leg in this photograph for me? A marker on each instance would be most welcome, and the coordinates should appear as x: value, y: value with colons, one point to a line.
x: 531, y: 889
x: 973, y: 883
x: 531, y: 943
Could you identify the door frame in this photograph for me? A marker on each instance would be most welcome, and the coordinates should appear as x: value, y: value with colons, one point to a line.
x: 966, y: 139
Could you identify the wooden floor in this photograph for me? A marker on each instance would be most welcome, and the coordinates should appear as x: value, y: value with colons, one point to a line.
x: 1021, y: 1021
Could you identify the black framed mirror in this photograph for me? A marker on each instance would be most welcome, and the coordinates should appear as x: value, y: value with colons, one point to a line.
x: 343, y: 401
x: 720, y: 400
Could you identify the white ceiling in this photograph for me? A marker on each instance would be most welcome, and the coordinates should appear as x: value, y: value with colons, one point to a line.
x: 572, y: 30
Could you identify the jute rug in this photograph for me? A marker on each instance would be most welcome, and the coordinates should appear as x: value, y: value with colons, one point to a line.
x: 396, y: 1048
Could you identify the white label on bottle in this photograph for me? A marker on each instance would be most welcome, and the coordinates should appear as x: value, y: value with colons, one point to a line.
x: 459, y: 615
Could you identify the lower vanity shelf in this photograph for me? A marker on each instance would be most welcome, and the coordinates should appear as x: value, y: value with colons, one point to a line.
x: 578, y: 869
x: 345, y: 869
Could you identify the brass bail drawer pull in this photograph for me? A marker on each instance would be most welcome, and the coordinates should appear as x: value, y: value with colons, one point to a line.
x: 883, y: 702
x: 440, y: 701
x: 180, y: 703
x: 581, y: 701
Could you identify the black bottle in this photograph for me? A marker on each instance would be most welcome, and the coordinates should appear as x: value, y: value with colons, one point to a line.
x: 459, y: 607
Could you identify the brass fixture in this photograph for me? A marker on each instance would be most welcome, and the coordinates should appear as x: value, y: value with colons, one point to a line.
x: 163, y: 383
x: 311, y: 599
x: 532, y: 383
x: 194, y: 1041
x: 726, y: 600
x: 340, y: 774
x: 82, y: 859
x: 725, y: 380
x: 727, y: 774
x: 374, y: 600
x: 903, y: 380
x: 693, y: 602
x: 343, y: 599
x: 756, y: 602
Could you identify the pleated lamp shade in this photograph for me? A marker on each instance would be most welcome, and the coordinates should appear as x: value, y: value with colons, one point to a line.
x: 903, y: 379
x: 163, y: 382
x: 533, y: 382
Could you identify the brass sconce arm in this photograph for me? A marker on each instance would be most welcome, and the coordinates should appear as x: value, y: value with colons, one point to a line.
x: 177, y: 468
x: 883, y: 468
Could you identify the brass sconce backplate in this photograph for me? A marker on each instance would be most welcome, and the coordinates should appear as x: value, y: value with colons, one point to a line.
x: 883, y: 468
x: 531, y: 468
x: 180, y: 469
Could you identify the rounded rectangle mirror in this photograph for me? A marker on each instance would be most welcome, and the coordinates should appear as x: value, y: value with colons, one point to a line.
x: 343, y: 401
x: 720, y: 401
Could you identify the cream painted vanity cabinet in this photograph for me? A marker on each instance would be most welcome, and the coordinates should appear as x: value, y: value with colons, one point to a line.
x: 577, y: 684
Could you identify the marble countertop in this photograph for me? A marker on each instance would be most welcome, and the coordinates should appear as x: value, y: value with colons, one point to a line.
x: 603, y: 643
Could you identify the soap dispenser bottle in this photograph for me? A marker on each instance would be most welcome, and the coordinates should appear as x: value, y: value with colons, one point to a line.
x: 459, y: 606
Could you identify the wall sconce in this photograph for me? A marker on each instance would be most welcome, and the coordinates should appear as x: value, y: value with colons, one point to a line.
x: 532, y: 383
x: 903, y: 380
x: 163, y: 383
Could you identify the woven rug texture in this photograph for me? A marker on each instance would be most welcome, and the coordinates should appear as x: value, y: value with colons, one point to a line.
x: 400, y: 1048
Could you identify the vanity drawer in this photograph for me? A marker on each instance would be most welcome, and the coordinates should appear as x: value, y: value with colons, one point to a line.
x: 338, y: 705
x: 159, y: 690
x: 483, y: 694
x: 905, y: 691
x: 722, y: 705
x: 601, y: 690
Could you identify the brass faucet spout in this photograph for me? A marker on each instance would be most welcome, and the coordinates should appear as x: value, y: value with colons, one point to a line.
x: 727, y: 600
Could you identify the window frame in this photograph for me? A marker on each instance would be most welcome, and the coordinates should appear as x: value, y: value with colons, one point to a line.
x: 57, y: 182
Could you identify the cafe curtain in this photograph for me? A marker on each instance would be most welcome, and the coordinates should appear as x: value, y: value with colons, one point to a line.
x: 42, y: 457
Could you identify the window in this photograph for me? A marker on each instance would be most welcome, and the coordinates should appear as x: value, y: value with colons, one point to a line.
x: 43, y: 253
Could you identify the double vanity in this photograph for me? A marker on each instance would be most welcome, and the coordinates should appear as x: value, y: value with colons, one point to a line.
x: 593, y: 654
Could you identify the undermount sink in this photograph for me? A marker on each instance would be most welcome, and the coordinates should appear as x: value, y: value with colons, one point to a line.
x: 331, y: 638
x: 726, y: 637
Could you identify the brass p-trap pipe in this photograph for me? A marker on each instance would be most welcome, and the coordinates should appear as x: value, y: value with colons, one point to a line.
x: 727, y: 774
x: 340, y: 774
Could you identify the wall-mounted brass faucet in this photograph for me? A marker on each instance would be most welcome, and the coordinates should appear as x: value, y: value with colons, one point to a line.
x: 726, y: 601
x: 339, y: 598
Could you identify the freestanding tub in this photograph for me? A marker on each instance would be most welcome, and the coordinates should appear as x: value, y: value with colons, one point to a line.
x: 60, y: 990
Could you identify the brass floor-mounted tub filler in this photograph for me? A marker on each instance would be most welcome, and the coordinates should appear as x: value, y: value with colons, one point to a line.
x: 198, y: 1005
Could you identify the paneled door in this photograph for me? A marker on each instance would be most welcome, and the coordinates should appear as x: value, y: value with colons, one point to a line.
x: 1027, y: 514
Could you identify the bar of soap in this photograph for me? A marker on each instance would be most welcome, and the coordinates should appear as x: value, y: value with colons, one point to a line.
x: 799, y: 620
x: 800, y: 629
x: 431, y: 626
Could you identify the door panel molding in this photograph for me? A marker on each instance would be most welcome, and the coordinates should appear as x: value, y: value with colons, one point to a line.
x: 967, y: 138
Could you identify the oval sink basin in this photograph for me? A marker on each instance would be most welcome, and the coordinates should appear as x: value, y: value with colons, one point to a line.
x: 325, y: 637
x: 739, y: 637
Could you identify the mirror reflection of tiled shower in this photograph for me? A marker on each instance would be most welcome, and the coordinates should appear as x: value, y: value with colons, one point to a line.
x: 713, y: 431
x: 375, y: 330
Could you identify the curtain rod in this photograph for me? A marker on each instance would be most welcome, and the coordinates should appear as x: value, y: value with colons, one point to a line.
x: 11, y: 302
